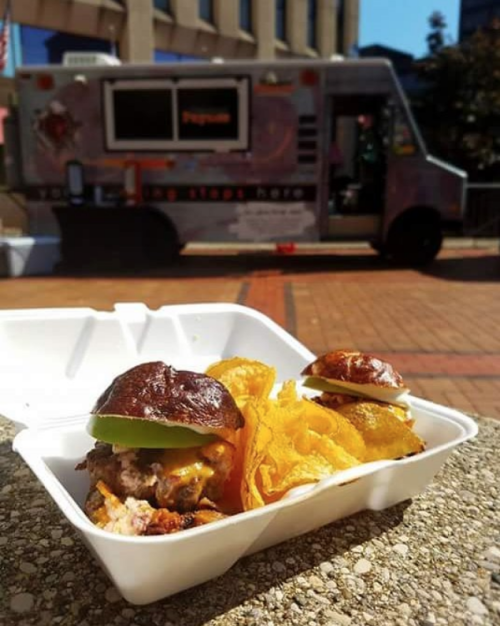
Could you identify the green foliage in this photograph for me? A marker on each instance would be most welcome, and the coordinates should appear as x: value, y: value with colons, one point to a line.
x: 435, y: 39
x: 459, y: 107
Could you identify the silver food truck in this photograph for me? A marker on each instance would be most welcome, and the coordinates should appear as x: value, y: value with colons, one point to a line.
x: 130, y: 162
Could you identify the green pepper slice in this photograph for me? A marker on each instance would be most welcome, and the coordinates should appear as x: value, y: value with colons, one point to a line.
x: 130, y: 432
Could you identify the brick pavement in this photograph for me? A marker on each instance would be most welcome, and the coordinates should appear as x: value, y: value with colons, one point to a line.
x: 440, y: 328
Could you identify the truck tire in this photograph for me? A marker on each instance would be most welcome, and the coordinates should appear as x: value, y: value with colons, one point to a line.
x: 414, y: 238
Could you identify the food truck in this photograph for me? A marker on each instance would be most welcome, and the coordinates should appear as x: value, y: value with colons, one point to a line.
x: 133, y: 161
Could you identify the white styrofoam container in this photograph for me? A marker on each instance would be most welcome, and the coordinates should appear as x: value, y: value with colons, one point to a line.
x: 54, y: 362
x: 30, y: 256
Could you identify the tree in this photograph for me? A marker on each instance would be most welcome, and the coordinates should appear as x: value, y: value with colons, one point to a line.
x: 459, y: 107
x: 435, y: 39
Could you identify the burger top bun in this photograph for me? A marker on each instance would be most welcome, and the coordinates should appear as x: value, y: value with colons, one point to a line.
x: 347, y: 371
x: 356, y: 367
x: 157, y: 392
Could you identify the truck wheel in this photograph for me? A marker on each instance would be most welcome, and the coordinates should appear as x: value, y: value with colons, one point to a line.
x: 414, y: 238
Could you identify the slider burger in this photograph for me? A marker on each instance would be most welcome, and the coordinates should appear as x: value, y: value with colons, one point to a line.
x: 163, y: 453
x: 372, y: 395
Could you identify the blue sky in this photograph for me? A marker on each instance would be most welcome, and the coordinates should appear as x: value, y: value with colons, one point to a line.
x: 402, y: 24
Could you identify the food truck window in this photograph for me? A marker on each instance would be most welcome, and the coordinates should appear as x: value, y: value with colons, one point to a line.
x: 143, y: 114
x: 212, y: 114
x: 208, y: 114
x: 403, y: 138
x: 139, y: 114
x: 189, y: 114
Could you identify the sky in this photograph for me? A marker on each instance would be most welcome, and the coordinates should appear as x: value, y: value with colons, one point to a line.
x: 403, y: 24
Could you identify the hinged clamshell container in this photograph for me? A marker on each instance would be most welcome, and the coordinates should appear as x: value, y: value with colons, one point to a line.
x: 55, y: 362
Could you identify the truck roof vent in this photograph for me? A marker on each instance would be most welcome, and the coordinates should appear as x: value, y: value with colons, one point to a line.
x: 85, y: 59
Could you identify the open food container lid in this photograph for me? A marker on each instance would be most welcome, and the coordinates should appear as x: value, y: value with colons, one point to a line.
x: 54, y: 363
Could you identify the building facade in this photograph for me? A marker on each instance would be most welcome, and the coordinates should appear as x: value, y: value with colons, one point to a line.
x: 142, y: 30
x: 476, y: 14
x: 176, y: 30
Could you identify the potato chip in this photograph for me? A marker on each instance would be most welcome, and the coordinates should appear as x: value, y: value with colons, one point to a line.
x: 257, y: 438
x: 385, y: 435
x: 244, y: 378
x: 291, y: 441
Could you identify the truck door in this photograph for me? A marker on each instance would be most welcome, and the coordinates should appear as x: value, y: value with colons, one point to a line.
x: 358, y: 154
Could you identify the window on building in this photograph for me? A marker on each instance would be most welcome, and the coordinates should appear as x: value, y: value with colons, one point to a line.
x: 312, y: 23
x: 206, y: 9
x: 163, y: 5
x: 281, y: 20
x: 246, y: 15
x: 160, y: 56
x: 40, y: 46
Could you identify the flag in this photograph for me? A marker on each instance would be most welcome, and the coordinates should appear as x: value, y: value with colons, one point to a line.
x: 4, y: 38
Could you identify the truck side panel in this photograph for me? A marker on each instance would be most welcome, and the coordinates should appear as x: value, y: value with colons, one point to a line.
x: 267, y: 191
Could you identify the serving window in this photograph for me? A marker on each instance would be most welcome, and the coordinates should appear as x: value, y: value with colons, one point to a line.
x: 143, y: 114
x: 187, y: 114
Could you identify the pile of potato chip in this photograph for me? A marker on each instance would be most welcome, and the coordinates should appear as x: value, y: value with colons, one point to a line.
x: 287, y: 440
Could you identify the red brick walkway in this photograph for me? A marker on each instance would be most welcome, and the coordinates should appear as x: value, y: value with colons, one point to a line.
x: 440, y: 329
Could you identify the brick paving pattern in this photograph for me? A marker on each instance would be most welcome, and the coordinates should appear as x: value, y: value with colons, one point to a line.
x: 440, y: 328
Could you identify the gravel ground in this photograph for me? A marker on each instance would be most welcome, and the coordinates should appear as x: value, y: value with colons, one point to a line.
x: 432, y: 560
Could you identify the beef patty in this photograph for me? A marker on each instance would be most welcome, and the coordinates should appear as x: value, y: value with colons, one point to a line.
x: 173, y: 479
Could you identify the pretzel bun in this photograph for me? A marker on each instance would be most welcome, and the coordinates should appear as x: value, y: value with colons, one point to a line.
x: 159, y: 393
x: 355, y: 367
x: 358, y: 372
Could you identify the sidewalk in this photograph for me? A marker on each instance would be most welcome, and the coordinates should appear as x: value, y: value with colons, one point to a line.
x: 449, y: 243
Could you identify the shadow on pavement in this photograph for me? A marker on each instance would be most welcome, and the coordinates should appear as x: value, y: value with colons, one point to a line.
x: 245, y: 263
x: 466, y: 269
x: 234, y: 265
x: 217, y: 265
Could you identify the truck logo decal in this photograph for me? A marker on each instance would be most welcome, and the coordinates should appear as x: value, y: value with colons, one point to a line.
x: 201, y: 119
x: 55, y: 127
